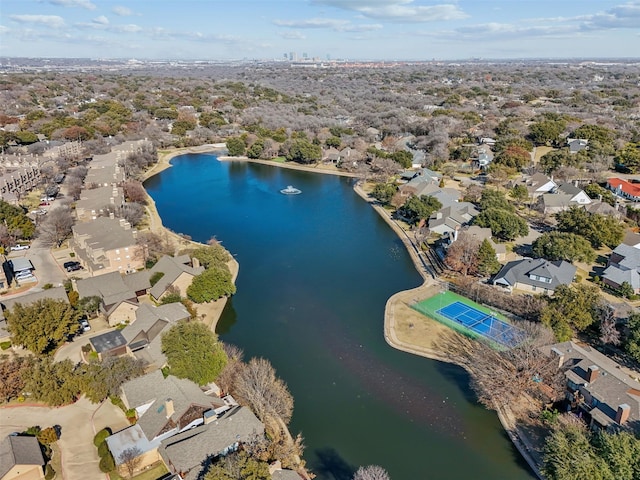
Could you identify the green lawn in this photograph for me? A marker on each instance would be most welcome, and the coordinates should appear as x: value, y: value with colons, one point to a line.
x: 430, y: 306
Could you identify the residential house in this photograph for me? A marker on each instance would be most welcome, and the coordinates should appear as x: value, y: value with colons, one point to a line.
x: 190, y: 452
x: 487, y: 141
x: 539, y: 184
x: 485, y: 157
x: 284, y: 474
x: 535, y: 275
x: 632, y: 239
x: 14, y: 185
x: 597, y: 388
x: 450, y: 218
x: 480, y: 234
x: 603, y: 208
x: 577, y: 145
x: 93, y: 202
x: 143, y: 336
x: 178, y: 273
x: 21, y: 458
x: 109, y: 344
x: 118, y: 293
x: 623, y: 266
x: 164, y: 407
x: 419, y: 181
x: 564, y: 197
x: 107, y: 245
x: 624, y: 189
x: 331, y: 155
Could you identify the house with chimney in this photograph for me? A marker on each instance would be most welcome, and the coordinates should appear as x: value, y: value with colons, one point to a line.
x: 624, y: 189
x: 565, y: 196
x: 118, y: 293
x: 175, y: 416
x: 418, y: 181
x: 95, y: 202
x: 107, y: 245
x: 597, y: 389
x: 539, y: 184
x: 176, y: 273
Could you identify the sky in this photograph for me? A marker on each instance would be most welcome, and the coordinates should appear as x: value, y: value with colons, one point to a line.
x: 321, y: 29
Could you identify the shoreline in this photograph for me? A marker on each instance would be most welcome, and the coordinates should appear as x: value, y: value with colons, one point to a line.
x: 397, y: 315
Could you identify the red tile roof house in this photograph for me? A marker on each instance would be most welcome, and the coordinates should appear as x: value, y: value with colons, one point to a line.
x: 624, y: 189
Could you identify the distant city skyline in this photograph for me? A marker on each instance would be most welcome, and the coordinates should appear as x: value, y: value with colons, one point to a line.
x: 320, y: 29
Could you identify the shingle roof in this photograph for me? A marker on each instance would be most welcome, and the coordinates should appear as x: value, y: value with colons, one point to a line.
x: 569, y: 189
x: 154, y: 388
x: 186, y: 451
x: 285, y: 475
x: 519, y: 271
x: 631, y: 256
x: 56, y: 293
x: 172, y: 267
x: 110, y: 287
x: 612, y: 387
x: 619, y: 276
x: 106, y: 233
x: 19, y: 450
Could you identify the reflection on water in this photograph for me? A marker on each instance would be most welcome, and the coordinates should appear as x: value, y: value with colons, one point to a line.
x: 316, y: 270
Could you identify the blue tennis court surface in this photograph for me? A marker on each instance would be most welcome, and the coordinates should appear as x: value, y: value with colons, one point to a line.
x: 485, y: 324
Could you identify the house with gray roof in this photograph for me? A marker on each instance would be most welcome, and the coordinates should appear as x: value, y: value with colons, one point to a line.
x: 479, y: 234
x: 535, y: 275
x: 577, y: 145
x: 166, y: 406
x: 450, y: 218
x: 110, y: 344
x: 143, y: 336
x: 56, y: 293
x: 285, y: 474
x: 418, y: 181
x: 597, y: 388
x: 189, y: 453
x: 563, y: 197
x: 177, y: 272
x: 539, y: 184
x: 93, y: 202
x: 623, y: 266
x: 118, y: 293
x: 107, y: 245
x: 21, y: 458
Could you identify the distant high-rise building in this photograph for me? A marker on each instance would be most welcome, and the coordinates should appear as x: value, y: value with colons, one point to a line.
x: 304, y: 55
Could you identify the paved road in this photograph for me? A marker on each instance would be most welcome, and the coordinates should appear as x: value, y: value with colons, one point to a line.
x: 78, y: 423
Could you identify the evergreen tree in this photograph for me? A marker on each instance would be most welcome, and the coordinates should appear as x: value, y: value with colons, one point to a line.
x: 487, y: 262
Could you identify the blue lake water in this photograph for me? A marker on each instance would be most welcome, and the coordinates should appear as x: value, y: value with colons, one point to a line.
x: 316, y: 270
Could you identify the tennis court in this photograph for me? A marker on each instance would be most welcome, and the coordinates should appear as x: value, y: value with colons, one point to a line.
x: 469, y: 318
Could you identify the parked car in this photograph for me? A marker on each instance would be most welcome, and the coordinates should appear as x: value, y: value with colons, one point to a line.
x: 72, y: 266
x: 84, y: 325
x: 23, y: 276
x: 20, y: 247
x: 44, y: 204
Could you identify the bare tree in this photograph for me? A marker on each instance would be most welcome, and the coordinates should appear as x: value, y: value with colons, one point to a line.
x: 462, y: 255
x: 608, y: 331
x: 268, y: 396
x: 371, y: 472
x: 57, y: 226
x: 135, y: 192
x: 154, y: 246
x: 499, y: 377
x: 131, y: 459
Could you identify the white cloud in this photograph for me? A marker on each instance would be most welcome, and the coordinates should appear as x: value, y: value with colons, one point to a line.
x: 74, y: 3
x: 52, y: 21
x: 401, y: 11
x: 122, y: 11
x: 621, y: 16
x: 130, y: 28
x: 328, y: 23
x: 294, y: 35
x: 102, y: 20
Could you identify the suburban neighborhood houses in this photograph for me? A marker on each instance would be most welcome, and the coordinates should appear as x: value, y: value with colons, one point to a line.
x: 514, y: 187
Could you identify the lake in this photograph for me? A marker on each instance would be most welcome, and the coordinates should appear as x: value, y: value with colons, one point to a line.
x: 316, y: 270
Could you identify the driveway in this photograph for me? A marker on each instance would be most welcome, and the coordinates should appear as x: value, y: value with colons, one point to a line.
x: 46, y: 268
x: 79, y: 423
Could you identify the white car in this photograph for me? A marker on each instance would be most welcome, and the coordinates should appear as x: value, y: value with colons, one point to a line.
x: 20, y: 247
x: 84, y: 325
